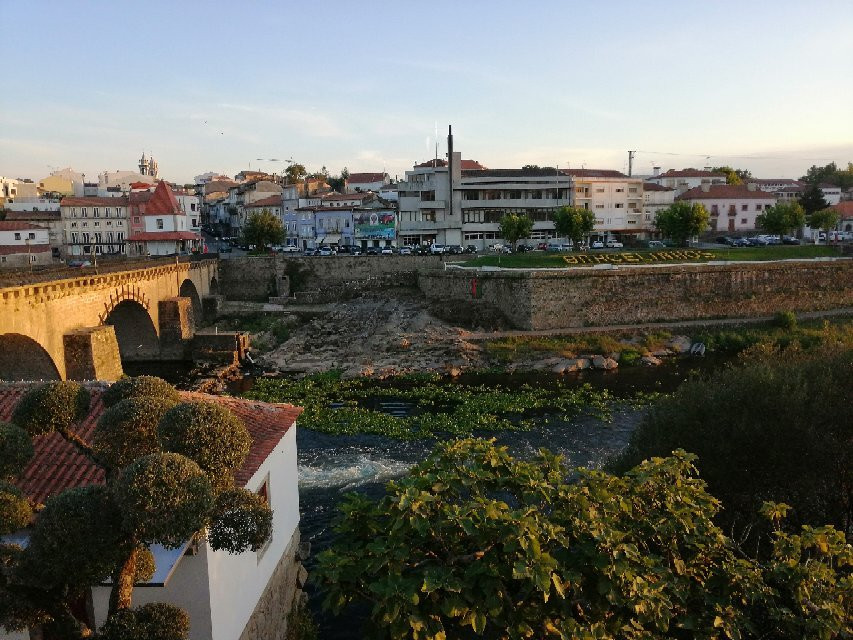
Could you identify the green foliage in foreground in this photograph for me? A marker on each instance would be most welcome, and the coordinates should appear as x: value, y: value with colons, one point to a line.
x: 784, y: 332
x: 343, y: 407
x: 474, y: 543
x: 778, y: 428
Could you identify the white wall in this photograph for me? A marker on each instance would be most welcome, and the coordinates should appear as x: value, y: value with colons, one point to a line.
x: 237, y: 581
x: 39, y: 236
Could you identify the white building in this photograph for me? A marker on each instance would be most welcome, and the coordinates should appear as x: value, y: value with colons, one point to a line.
x: 224, y: 594
x: 189, y: 203
x: 614, y: 198
x: 774, y: 184
x: 731, y: 207
x: 23, y: 243
x: 655, y: 198
x: 165, y: 226
x: 831, y: 193
x: 389, y: 192
x: 684, y: 179
x: 361, y: 182
x: 94, y: 226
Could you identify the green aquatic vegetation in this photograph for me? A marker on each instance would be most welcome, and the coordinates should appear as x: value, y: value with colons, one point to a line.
x: 437, y: 407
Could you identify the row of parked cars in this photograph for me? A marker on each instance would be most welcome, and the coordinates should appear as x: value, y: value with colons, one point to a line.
x: 756, y: 241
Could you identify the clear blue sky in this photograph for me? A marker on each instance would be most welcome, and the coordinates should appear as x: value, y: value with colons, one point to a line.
x: 212, y: 86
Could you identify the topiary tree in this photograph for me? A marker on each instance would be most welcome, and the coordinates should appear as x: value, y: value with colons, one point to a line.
x: 476, y: 543
x: 139, y: 387
x: 160, y: 488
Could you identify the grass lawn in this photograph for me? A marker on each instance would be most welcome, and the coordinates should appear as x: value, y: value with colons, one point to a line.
x: 535, y: 259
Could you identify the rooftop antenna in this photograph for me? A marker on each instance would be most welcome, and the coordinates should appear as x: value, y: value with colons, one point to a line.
x: 436, y: 143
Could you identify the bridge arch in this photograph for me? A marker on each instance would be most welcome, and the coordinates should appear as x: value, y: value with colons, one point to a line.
x: 188, y: 290
x: 22, y: 358
x: 135, y: 332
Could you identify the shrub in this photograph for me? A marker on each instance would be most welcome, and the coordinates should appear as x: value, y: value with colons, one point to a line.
x: 128, y: 429
x: 241, y: 520
x: 138, y: 387
x: 54, y: 406
x: 15, y: 511
x: 629, y: 357
x: 16, y: 450
x: 785, y: 320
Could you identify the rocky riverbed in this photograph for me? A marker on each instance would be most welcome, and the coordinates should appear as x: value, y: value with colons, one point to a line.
x: 389, y: 333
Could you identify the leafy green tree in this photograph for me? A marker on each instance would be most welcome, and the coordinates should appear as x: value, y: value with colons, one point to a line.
x: 263, y: 229
x: 734, y: 176
x: 476, y: 543
x: 768, y: 430
x: 295, y: 172
x: 830, y: 174
x: 514, y: 227
x: 812, y: 200
x: 782, y: 218
x: 169, y: 472
x: 825, y: 220
x: 682, y: 220
x: 574, y: 223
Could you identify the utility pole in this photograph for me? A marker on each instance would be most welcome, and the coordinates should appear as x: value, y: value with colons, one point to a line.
x: 630, y: 162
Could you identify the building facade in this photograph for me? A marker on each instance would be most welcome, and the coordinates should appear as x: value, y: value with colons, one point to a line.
x: 685, y: 179
x: 363, y: 182
x: 94, y: 226
x: 731, y: 207
x: 163, y: 228
x: 23, y: 243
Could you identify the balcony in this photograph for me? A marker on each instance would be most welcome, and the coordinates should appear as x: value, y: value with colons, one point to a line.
x: 432, y: 204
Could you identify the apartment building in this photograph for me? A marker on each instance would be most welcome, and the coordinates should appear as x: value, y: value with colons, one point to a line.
x: 22, y: 243
x: 363, y: 182
x: 655, y: 199
x: 94, y: 226
x: 614, y: 198
x: 165, y: 226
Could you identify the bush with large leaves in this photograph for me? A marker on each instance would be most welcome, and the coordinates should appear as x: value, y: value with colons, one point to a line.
x: 474, y: 542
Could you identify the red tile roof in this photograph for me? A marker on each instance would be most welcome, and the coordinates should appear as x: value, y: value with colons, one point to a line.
x: 154, y: 236
x: 271, y: 201
x: 725, y: 192
x: 364, y: 178
x: 121, y: 201
x: 58, y: 466
x: 12, y: 249
x: 788, y: 181
x: 844, y: 209
x: 593, y: 173
x: 163, y: 201
x: 33, y: 215
x: 17, y: 225
x: 347, y: 196
x: 653, y: 186
x: 689, y: 173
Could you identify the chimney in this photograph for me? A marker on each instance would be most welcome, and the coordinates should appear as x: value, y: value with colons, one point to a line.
x: 706, y: 187
x: 752, y: 186
x: 655, y: 171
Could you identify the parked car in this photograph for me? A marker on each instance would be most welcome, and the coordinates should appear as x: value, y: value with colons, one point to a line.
x: 597, y: 244
x: 387, y: 251
x: 657, y: 244
x: 405, y: 250
x: 558, y: 246
x: 614, y: 244
x: 542, y: 246
x: 523, y: 248
x: 437, y: 249
x: 757, y: 241
x: 225, y: 248
x: 454, y: 249
x: 324, y: 251
x: 790, y: 240
x: 471, y: 248
x: 740, y: 242
x: 372, y: 251
x: 290, y: 248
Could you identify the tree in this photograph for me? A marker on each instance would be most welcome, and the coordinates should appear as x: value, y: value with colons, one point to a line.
x: 263, y: 229
x: 733, y: 176
x: 476, y: 543
x: 295, y: 172
x: 782, y: 218
x: 812, y: 199
x: 769, y: 430
x: 830, y: 174
x: 574, y: 223
x: 682, y: 220
x: 514, y: 227
x: 169, y: 476
x: 338, y: 183
x: 825, y: 219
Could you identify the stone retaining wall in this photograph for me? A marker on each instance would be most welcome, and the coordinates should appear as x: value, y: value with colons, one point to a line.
x: 269, y: 619
x: 318, y: 278
x: 537, y: 300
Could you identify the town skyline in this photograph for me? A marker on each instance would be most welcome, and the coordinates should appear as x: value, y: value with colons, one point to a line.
x: 373, y: 89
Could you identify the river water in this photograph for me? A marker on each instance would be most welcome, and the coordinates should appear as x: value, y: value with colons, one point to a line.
x: 330, y: 466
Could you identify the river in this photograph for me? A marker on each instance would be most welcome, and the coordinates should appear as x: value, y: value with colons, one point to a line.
x: 330, y: 466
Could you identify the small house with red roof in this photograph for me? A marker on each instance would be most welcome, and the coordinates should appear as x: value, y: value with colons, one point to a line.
x: 227, y: 596
x: 362, y: 182
x: 732, y: 207
x: 160, y: 225
x: 23, y: 243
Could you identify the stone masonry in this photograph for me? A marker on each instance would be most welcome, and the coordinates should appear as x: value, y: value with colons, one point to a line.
x: 552, y: 299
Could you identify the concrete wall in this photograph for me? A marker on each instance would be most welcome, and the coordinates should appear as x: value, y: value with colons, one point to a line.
x: 252, y: 278
x: 535, y: 300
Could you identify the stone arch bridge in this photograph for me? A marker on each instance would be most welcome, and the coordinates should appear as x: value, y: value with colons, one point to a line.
x: 82, y: 327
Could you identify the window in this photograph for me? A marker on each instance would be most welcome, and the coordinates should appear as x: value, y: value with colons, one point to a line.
x: 135, y: 219
x: 599, y: 206
x: 600, y: 190
x: 73, y: 225
x: 83, y: 212
x: 758, y: 207
x: 743, y: 220
x: 97, y: 224
x: 715, y: 210
x: 620, y: 190
x: 744, y: 207
x: 95, y: 213
x: 73, y: 212
x: 192, y: 206
x: 632, y: 189
x: 75, y: 238
x: 620, y: 205
x: 159, y: 223
x: 2, y: 258
x: 17, y: 236
x: 31, y: 236
x: 107, y: 212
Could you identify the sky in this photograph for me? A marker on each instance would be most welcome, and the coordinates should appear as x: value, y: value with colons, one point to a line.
x: 226, y: 86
